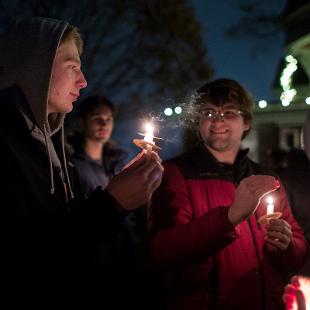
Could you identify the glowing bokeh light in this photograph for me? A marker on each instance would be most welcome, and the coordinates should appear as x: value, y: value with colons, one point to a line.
x: 168, y: 111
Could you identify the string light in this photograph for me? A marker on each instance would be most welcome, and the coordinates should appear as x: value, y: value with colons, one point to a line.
x: 168, y: 111
x: 178, y: 110
x: 288, y: 93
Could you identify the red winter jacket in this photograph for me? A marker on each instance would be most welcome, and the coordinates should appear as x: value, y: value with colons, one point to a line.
x: 208, y: 264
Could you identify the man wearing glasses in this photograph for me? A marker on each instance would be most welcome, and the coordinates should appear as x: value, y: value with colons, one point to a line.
x: 203, y: 220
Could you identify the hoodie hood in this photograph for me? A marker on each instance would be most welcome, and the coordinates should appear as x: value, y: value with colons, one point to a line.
x: 307, y: 135
x: 27, y: 53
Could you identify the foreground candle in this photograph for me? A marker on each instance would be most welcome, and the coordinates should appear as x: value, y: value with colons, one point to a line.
x: 270, y: 205
x: 147, y: 142
x: 270, y: 214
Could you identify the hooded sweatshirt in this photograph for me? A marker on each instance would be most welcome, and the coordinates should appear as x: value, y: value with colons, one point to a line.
x: 45, y: 239
x: 31, y: 47
x: 27, y: 55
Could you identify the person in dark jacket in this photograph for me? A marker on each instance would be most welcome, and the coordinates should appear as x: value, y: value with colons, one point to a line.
x: 204, y: 228
x: 96, y: 160
x: 96, y: 157
x: 296, y: 179
x: 47, y: 229
x: 297, y: 292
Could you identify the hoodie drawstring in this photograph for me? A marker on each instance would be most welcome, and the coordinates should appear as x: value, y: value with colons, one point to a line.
x: 52, y: 190
x: 67, y: 179
x: 65, y: 160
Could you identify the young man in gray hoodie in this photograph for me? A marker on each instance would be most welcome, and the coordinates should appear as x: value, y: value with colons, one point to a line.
x: 47, y: 230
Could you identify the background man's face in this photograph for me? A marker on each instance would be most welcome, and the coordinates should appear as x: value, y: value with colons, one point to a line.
x: 67, y: 79
x: 98, y: 125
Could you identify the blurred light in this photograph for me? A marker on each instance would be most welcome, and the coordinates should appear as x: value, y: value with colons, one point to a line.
x: 168, y: 111
x: 149, y: 127
x: 288, y: 93
x: 289, y: 58
x: 285, y: 102
x: 178, y: 110
x: 308, y: 100
x: 262, y: 104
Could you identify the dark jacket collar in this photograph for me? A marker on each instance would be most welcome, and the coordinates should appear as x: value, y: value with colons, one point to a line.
x: 204, y: 165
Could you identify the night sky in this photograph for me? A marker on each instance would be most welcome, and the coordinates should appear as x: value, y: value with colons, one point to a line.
x: 234, y: 58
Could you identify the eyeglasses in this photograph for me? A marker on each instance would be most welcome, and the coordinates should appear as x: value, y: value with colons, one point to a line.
x: 213, y: 115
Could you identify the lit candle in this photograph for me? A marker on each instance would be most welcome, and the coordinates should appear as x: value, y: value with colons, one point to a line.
x: 270, y: 205
x: 270, y: 214
x: 149, y: 130
x: 148, y: 137
x: 148, y: 142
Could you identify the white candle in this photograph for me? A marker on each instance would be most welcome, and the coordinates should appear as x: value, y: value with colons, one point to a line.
x: 270, y: 205
x: 148, y: 137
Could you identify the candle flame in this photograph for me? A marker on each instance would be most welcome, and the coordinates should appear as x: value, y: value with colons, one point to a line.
x: 149, y: 133
x: 270, y: 200
x: 149, y: 128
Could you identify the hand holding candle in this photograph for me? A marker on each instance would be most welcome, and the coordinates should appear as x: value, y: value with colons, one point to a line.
x: 278, y: 235
x: 134, y: 185
x: 248, y: 196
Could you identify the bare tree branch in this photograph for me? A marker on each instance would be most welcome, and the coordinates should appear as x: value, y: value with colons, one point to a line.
x: 153, y: 46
